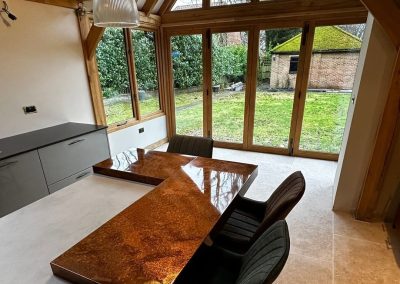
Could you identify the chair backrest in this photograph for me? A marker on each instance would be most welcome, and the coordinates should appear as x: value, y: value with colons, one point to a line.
x: 266, y: 258
x: 282, y: 201
x: 190, y: 145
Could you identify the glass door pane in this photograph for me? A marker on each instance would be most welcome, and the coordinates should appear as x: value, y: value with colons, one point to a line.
x: 278, y: 53
x: 229, y: 69
x: 187, y: 64
x: 334, y: 61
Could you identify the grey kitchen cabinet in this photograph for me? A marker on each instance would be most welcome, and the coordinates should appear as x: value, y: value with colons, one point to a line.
x: 22, y: 182
x: 40, y: 162
x: 67, y: 158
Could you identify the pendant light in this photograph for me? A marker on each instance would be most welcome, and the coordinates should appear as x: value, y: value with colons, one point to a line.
x: 115, y: 13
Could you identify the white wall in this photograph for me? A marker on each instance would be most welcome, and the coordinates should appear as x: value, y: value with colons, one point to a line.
x: 371, y: 88
x: 154, y: 131
x: 41, y: 64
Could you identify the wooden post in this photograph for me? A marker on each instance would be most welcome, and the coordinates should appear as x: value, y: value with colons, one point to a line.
x: 371, y: 189
x: 92, y: 73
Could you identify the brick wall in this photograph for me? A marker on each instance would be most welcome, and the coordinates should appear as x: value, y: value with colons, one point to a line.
x: 328, y: 71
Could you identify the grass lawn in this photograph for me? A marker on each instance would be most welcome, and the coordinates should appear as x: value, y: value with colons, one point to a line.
x: 121, y: 111
x: 324, y: 121
x: 324, y: 117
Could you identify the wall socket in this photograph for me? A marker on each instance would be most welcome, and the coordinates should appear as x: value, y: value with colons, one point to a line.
x: 141, y: 130
x: 29, y: 109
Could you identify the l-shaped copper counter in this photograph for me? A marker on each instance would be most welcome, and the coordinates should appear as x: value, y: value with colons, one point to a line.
x: 153, y: 239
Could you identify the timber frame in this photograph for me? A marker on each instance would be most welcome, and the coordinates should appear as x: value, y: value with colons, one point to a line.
x: 90, y: 40
x: 252, y: 17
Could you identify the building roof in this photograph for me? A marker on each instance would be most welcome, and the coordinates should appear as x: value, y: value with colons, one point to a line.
x: 329, y: 38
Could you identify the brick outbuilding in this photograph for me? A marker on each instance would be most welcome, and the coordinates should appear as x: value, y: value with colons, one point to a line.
x: 333, y: 63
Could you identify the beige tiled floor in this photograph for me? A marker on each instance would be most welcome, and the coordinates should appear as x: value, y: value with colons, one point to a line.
x: 326, y: 247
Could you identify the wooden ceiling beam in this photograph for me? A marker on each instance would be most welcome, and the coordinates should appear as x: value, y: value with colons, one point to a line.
x: 71, y: 4
x: 149, y: 21
x: 263, y: 10
x: 387, y: 14
x: 93, y: 38
x: 148, y: 6
x: 166, y: 6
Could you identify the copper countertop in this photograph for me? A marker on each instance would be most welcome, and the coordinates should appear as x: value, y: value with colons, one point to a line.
x: 154, y: 238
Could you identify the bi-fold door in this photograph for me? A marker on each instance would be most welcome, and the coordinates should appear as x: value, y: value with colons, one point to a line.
x: 278, y: 90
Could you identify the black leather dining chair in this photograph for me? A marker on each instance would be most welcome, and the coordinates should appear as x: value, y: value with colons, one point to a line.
x: 261, y: 264
x: 251, y: 218
x: 191, y: 145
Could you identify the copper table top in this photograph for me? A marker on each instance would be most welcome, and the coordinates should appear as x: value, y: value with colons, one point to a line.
x: 153, y: 239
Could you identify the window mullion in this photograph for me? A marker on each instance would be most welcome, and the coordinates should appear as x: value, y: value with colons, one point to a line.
x: 132, y: 73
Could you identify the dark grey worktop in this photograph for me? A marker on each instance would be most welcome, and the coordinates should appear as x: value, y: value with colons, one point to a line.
x: 15, y: 145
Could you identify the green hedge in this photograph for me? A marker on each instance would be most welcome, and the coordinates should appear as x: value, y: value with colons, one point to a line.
x: 229, y: 62
x: 111, y: 61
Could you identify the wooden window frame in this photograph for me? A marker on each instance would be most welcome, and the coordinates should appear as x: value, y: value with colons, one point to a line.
x: 138, y: 117
x: 250, y: 139
x: 247, y: 91
x: 158, y: 68
x: 303, y: 86
x: 169, y: 86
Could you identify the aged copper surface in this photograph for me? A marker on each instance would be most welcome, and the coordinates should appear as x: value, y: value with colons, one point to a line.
x: 154, y: 238
x: 141, y: 165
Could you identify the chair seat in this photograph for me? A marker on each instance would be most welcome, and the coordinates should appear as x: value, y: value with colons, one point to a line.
x: 238, y: 231
x: 250, y: 218
x: 260, y: 264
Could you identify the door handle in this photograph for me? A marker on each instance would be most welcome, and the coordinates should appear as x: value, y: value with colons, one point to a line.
x: 8, y: 164
x: 82, y: 175
x: 76, y: 142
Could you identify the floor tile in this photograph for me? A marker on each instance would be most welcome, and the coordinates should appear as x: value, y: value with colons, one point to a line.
x: 360, y: 261
x: 311, y: 242
x: 345, y: 225
x: 300, y: 269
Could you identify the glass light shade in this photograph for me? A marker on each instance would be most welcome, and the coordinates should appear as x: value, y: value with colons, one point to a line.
x: 115, y: 13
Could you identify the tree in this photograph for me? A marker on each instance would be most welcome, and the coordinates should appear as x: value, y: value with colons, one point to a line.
x: 271, y: 38
x: 357, y: 29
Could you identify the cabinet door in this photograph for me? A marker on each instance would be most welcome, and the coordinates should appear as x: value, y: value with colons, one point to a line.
x: 67, y: 158
x: 21, y: 182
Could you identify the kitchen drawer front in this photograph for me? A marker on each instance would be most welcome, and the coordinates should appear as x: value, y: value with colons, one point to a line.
x: 21, y: 182
x: 70, y: 180
x: 67, y: 158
